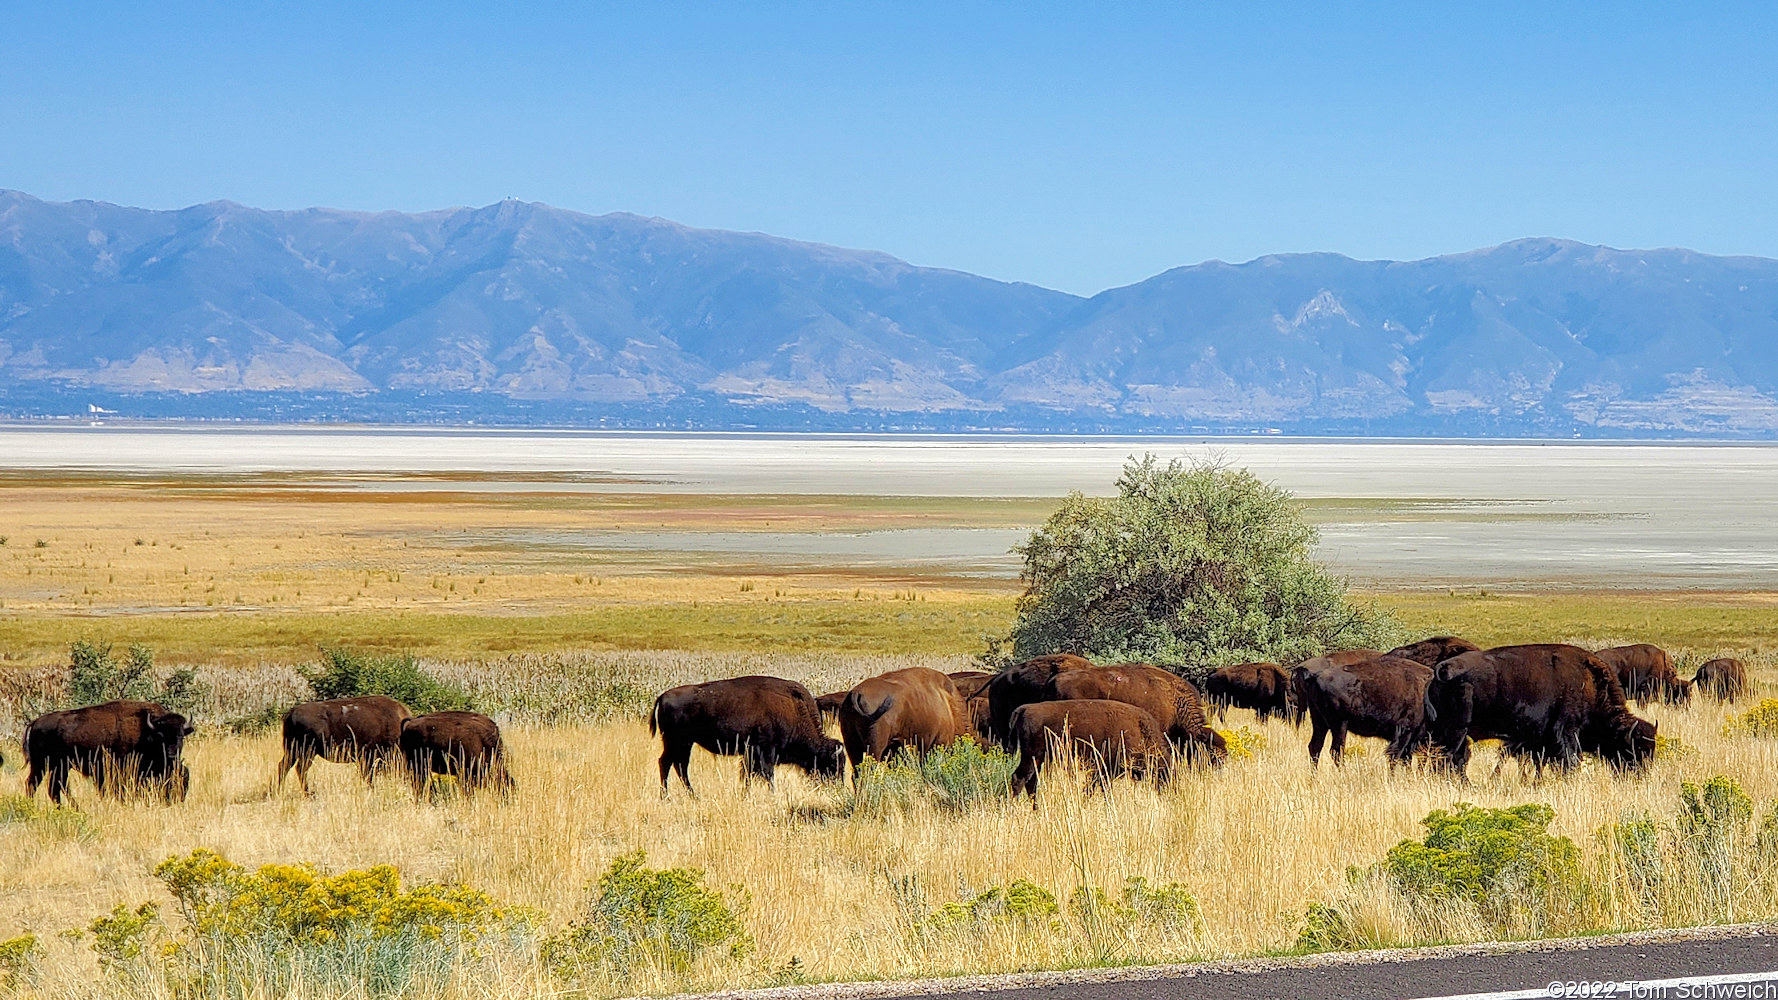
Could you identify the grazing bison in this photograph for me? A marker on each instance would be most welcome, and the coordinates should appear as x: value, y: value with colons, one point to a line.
x: 1341, y: 657
x: 1724, y: 677
x: 1645, y: 672
x: 1433, y: 651
x: 365, y: 731
x: 1170, y: 698
x: 829, y: 705
x: 123, y: 746
x: 766, y: 720
x: 1382, y: 697
x: 972, y: 687
x: 1263, y: 687
x: 1549, y: 703
x: 464, y: 745
x: 1114, y: 737
x: 917, y: 708
x: 1021, y: 684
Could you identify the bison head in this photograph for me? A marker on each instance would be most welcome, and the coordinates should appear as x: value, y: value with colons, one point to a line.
x: 830, y: 761
x: 1634, y: 745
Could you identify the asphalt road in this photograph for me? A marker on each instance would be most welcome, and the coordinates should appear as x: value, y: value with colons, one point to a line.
x: 1411, y: 978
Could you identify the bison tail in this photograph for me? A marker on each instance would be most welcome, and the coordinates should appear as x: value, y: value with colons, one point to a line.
x: 654, y: 715
x: 855, y: 703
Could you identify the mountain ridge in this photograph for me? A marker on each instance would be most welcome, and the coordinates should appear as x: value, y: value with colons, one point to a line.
x: 520, y: 302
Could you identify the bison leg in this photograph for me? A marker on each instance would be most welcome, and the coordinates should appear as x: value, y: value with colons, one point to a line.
x: 58, y: 782
x: 1024, y: 778
x: 1317, y: 737
x: 763, y: 763
x: 1338, y: 750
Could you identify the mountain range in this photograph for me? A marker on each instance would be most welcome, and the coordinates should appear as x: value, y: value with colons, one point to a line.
x: 523, y: 312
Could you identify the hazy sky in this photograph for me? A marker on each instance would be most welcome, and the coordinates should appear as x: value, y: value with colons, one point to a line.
x: 1072, y: 146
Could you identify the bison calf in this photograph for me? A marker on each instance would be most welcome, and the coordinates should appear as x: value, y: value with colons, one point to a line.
x: 767, y: 720
x: 122, y: 746
x: 1113, y: 737
x: 464, y: 745
x: 365, y: 731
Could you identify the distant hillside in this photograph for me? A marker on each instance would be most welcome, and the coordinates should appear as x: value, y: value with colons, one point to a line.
x: 524, y: 313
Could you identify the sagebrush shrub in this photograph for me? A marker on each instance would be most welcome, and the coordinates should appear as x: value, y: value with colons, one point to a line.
x: 344, y: 673
x: 18, y: 958
x: 645, y: 917
x: 1197, y: 565
x: 95, y: 675
x: 956, y: 777
x: 257, y: 932
x: 1503, y: 861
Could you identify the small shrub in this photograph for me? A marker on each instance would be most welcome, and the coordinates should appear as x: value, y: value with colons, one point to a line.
x: 1022, y: 903
x: 120, y: 936
x: 1760, y: 720
x: 1502, y: 861
x: 1673, y: 748
x: 262, y: 931
x: 254, y: 723
x: 18, y: 957
x: 1246, y: 743
x: 95, y: 675
x: 347, y: 674
x: 645, y: 917
x: 41, y: 543
x: 956, y: 777
x: 52, y: 821
x: 1326, y: 928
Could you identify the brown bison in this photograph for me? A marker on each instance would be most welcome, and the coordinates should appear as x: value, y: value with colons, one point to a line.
x: 828, y: 705
x: 1112, y: 736
x: 1170, y: 698
x: 1339, y: 657
x: 464, y: 745
x: 917, y: 708
x: 1263, y: 687
x: 1549, y: 703
x: 1724, y: 677
x: 1645, y: 672
x: 122, y: 746
x: 1021, y: 684
x: 766, y: 720
x: 972, y: 687
x: 365, y: 731
x: 1433, y: 651
x: 1382, y: 697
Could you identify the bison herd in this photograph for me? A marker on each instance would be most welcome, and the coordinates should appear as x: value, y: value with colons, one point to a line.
x: 135, y: 746
x: 1548, y: 705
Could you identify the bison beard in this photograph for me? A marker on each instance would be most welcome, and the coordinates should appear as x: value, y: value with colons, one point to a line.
x: 767, y: 720
x: 122, y: 746
x: 1549, y: 703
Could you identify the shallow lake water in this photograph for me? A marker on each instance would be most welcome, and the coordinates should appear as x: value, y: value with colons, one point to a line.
x: 1512, y: 513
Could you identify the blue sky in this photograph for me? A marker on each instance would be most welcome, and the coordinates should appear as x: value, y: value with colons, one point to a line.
x: 1074, y: 146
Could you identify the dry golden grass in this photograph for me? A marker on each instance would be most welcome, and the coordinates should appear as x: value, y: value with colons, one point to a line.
x: 1255, y: 842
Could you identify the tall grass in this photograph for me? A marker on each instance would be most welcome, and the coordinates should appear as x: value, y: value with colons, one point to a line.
x: 827, y: 890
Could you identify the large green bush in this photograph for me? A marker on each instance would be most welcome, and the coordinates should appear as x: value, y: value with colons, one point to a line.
x: 1196, y: 565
